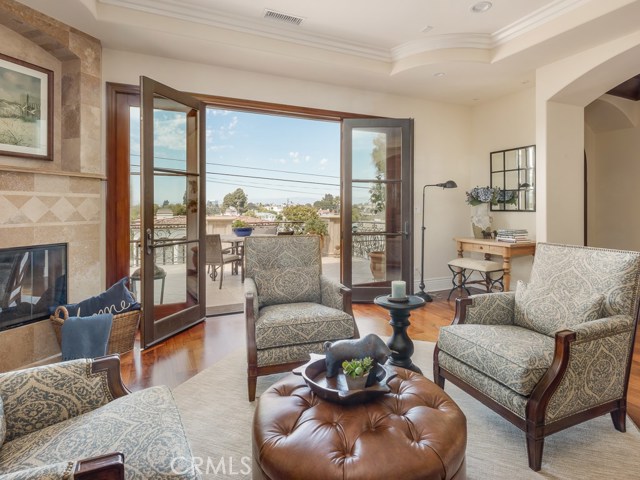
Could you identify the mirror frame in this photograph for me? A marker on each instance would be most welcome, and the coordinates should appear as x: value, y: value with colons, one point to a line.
x: 514, y: 170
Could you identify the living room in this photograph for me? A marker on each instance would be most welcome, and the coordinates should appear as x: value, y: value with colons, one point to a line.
x: 541, y: 85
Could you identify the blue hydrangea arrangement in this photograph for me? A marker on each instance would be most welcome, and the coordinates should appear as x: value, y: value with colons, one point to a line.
x: 479, y: 195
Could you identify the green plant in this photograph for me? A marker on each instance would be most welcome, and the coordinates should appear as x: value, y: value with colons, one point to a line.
x: 357, y: 367
x: 315, y: 226
x: 239, y: 224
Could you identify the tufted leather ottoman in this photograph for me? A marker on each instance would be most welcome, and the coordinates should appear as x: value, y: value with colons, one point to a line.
x: 414, y: 432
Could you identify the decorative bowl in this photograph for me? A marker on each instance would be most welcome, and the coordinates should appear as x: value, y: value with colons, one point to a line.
x: 335, y: 389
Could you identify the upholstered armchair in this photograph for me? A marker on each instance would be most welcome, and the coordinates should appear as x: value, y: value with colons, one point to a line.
x: 291, y: 309
x: 76, y: 420
x: 554, y: 353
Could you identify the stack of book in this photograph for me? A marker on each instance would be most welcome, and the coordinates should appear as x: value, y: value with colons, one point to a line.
x: 513, y: 236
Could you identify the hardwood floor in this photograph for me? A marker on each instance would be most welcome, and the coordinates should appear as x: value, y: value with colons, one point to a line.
x: 184, y: 355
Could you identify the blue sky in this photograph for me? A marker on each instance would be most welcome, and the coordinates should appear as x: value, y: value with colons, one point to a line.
x: 241, y: 145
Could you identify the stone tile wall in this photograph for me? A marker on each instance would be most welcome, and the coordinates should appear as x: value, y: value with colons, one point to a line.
x: 59, y: 201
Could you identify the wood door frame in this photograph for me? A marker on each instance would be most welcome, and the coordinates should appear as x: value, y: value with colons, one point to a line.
x: 117, y: 159
x: 365, y: 293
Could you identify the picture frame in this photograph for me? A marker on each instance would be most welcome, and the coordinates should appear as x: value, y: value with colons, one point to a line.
x: 26, y: 109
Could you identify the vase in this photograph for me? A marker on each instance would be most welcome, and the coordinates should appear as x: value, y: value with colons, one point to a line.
x: 481, y: 221
x: 378, y: 265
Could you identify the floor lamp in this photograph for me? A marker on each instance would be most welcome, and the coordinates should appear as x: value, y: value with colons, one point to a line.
x: 422, y: 294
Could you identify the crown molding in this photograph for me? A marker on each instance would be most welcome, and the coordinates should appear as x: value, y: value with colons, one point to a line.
x: 441, y: 42
x: 536, y: 19
x: 281, y: 32
x: 292, y: 34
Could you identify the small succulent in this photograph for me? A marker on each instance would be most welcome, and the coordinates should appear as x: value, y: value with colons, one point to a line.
x: 357, y: 367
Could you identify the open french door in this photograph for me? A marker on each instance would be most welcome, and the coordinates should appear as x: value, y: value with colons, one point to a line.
x: 377, y: 204
x: 172, y: 137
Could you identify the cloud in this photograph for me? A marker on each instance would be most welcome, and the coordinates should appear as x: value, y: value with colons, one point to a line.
x: 323, y: 163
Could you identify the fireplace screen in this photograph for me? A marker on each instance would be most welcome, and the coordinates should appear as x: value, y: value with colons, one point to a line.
x: 33, y: 282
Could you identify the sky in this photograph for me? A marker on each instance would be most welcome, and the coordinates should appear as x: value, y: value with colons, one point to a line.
x: 242, y: 145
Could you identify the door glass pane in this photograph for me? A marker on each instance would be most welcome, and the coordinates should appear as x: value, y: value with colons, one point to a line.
x: 169, y: 134
x: 376, y: 203
x: 376, y: 152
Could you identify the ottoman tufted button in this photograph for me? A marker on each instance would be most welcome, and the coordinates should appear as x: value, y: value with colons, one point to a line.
x: 415, y: 431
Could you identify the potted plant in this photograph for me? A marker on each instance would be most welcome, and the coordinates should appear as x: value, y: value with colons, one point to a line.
x: 241, y: 228
x: 356, y: 371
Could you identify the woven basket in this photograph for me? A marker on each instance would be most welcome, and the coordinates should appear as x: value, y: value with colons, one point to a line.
x: 123, y: 329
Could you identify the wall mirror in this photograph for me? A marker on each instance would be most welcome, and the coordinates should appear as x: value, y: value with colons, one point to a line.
x: 514, y: 172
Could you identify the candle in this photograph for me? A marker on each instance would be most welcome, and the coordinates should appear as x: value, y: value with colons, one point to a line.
x: 398, y: 289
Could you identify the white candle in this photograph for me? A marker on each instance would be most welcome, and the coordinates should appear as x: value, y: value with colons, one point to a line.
x: 398, y: 289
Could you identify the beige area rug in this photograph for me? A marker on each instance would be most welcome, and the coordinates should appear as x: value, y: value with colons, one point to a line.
x: 218, y: 418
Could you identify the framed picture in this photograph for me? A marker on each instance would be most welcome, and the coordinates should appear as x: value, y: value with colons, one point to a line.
x: 26, y: 109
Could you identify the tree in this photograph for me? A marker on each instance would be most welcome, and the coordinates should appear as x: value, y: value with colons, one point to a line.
x: 299, y: 213
x: 328, y: 202
x: 236, y: 199
x: 165, y: 204
x: 378, y: 157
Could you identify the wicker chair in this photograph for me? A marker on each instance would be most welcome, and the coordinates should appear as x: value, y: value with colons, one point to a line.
x: 291, y: 309
x: 217, y: 258
x: 556, y: 352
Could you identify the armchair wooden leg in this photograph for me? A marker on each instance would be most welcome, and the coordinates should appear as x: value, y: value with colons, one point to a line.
x: 252, y: 380
x: 619, y: 418
x: 534, y: 450
x: 438, y: 379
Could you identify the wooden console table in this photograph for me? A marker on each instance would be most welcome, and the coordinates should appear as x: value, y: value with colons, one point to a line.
x: 493, y: 247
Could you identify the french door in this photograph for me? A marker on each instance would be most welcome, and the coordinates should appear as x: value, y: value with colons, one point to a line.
x: 377, y: 204
x: 172, y: 139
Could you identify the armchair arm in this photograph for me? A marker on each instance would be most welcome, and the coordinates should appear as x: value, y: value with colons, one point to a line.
x: 105, y: 467
x: 250, y: 315
x: 335, y: 295
x: 54, y: 471
x: 590, y: 368
x: 603, y: 327
x: 35, y: 398
x: 486, y: 309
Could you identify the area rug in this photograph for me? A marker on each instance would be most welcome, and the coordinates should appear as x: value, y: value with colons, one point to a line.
x: 218, y: 417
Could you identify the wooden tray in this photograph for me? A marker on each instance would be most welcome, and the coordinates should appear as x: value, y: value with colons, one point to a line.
x: 335, y: 389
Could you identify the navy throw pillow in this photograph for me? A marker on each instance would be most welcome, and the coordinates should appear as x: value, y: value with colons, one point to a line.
x: 117, y: 299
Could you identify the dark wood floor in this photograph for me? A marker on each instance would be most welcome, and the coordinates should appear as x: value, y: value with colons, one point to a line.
x: 182, y: 356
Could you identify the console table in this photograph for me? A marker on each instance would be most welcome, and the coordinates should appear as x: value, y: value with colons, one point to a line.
x: 493, y: 247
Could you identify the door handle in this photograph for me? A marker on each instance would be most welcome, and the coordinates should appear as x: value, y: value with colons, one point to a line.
x: 406, y: 232
x: 149, y: 241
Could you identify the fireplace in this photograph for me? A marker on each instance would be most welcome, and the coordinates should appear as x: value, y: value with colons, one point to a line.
x: 33, y: 281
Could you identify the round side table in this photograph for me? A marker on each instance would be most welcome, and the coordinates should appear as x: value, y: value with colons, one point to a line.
x: 400, y: 343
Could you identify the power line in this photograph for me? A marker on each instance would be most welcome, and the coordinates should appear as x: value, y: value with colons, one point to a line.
x: 242, y: 166
x: 271, y: 178
x: 273, y: 170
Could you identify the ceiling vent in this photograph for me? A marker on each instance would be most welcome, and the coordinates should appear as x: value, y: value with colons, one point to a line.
x: 282, y: 17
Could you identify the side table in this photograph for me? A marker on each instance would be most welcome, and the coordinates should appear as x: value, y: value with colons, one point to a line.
x: 400, y: 343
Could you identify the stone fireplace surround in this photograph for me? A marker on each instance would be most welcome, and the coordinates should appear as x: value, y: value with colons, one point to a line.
x: 59, y: 201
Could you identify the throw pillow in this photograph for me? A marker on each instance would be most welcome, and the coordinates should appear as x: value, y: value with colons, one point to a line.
x: 3, y: 424
x: 547, y: 311
x: 289, y: 285
x: 117, y: 299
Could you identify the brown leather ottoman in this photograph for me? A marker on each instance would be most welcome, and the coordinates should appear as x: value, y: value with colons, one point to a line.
x: 414, y: 432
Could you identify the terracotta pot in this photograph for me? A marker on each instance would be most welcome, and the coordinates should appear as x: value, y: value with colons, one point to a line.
x: 378, y: 265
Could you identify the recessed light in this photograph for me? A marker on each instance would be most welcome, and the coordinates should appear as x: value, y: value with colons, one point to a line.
x: 481, y: 7
x: 439, y: 74
x: 427, y: 29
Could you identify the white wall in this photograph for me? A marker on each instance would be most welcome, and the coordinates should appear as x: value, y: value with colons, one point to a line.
x: 508, y: 122
x: 441, y: 134
x: 614, y: 170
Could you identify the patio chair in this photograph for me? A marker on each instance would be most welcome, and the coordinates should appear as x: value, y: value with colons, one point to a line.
x: 290, y: 308
x: 554, y: 353
x: 217, y: 257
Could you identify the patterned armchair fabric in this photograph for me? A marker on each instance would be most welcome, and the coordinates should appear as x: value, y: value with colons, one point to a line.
x: 290, y: 307
x: 60, y: 414
x: 557, y: 351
